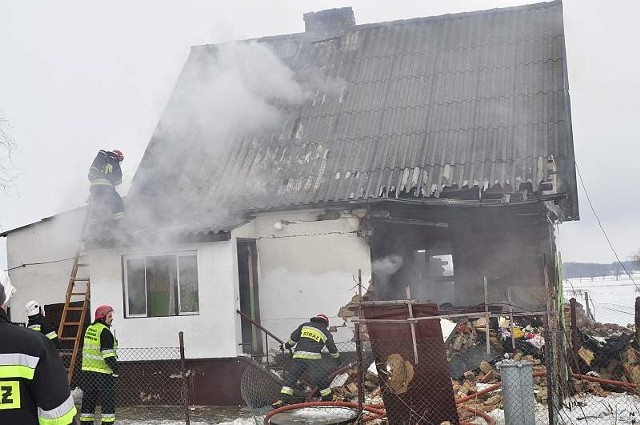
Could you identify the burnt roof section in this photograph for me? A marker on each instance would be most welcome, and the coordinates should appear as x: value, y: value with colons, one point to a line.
x: 429, y: 107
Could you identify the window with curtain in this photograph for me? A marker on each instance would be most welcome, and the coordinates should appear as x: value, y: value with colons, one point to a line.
x: 161, y: 285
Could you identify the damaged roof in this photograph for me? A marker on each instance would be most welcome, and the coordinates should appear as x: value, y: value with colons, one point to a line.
x: 412, y: 108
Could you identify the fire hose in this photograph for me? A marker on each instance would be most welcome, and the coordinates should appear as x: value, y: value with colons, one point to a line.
x: 377, y: 411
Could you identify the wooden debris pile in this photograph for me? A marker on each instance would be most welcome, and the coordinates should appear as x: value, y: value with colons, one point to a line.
x: 606, y: 350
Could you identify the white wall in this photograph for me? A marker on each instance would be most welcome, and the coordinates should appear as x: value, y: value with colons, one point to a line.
x: 307, y: 267
x: 211, y: 333
x: 49, y: 242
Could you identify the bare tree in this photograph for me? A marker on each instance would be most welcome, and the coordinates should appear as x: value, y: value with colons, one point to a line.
x: 636, y: 257
x: 7, y: 146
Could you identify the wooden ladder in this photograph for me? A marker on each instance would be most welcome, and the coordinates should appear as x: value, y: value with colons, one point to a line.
x: 76, y: 302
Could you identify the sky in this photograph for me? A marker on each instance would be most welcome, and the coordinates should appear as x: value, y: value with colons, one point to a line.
x: 79, y: 76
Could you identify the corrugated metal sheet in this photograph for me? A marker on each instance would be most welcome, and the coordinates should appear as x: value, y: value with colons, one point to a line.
x: 467, y: 99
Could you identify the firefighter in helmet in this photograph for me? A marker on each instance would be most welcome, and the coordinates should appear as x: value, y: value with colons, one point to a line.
x: 309, y: 339
x: 104, y: 175
x: 100, y: 368
x: 33, y: 382
x: 39, y: 323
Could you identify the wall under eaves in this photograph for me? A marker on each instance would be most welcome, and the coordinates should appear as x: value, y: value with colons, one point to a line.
x: 39, y: 259
x: 308, y: 263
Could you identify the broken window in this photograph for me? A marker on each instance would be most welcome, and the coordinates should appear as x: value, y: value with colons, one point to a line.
x: 441, y: 267
x: 161, y: 285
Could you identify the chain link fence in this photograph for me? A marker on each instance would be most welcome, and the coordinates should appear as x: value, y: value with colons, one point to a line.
x: 479, y: 367
x: 517, y: 368
x: 148, y: 380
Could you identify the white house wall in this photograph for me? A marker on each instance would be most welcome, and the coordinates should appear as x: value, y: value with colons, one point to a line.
x: 209, y: 334
x: 48, y: 242
x: 307, y: 267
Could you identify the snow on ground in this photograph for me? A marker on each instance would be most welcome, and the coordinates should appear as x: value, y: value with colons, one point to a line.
x: 613, y: 297
x: 619, y: 409
x: 238, y: 421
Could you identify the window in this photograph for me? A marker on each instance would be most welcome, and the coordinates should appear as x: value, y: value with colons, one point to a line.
x: 161, y: 285
x: 441, y: 265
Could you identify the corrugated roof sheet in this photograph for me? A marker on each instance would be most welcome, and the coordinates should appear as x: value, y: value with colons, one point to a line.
x: 469, y: 99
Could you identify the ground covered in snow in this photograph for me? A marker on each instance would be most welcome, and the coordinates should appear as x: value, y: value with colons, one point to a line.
x: 619, y: 409
x: 175, y: 415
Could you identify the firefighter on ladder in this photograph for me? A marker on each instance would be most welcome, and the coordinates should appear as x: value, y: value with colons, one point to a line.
x: 100, y: 368
x: 308, y: 339
x: 105, y: 174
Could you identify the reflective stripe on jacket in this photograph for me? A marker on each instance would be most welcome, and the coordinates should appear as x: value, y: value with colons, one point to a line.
x: 309, y: 339
x: 33, y: 382
x: 43, y: 325
x: 93, y: 355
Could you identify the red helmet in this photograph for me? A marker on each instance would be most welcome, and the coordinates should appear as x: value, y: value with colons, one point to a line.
x: 102, y: 311
x: 321, y: 317
x: 118, y: 154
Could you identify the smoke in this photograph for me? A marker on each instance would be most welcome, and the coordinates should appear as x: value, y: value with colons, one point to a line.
x: 229, y: 91
x: 226, y: 94
x: 383, y: 269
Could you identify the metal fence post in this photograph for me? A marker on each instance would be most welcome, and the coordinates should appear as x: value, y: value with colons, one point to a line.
x: 637, y: 320
x: 361, y: 368
x: 575, y: 338
x: 185, y: 386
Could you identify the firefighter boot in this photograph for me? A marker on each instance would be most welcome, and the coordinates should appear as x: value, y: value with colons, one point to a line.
x: 327, y: 395
x: 284, y: 401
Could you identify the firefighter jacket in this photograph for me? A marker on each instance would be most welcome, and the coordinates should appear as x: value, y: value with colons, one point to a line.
x: 33, y: 382
x: 105, y: 170
x: 309, y: 339
x: 41, y: 324
x: 99, y: 353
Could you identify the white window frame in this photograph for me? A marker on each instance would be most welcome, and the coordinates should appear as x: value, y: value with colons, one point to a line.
x: 143, y: 257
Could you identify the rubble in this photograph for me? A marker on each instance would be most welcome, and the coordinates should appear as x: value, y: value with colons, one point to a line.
x: 606, y: 350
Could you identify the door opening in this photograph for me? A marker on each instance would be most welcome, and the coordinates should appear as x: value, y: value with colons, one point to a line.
x: 252, y: 343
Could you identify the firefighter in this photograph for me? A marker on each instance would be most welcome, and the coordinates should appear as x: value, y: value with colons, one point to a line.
x: 309, y: 339
x: 39, y: 323
x: 33, y: 382
x: 105, y: 174
x: 100, y: 368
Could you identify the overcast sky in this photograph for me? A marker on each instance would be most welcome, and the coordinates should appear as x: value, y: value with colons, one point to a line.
x: 78, y: 76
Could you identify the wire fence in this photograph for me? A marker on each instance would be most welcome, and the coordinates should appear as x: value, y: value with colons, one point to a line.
x: 146, y: 377
x: 523, y: 368
x: 552, y: 367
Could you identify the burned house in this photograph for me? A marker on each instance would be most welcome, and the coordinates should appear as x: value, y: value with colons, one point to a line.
x: 432, y: 153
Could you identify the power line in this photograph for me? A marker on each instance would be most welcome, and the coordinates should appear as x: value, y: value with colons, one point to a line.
x: 39, y: 263
x: 602, y: 228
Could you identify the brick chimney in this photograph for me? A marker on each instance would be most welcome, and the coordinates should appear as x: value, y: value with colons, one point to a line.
x: 330, y: 20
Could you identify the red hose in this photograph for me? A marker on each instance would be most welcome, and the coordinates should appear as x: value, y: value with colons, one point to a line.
x: 483, y: 415
x: 368, y: 408
x: 627, y: 385
x: 491, y: 388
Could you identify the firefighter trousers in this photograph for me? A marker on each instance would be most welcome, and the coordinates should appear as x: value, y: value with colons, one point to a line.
x: 317, y: 373
x: 107, y: 201
x: 98, y: 386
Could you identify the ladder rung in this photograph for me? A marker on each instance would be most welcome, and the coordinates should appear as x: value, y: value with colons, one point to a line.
x: 71, y: 324
x: 81, y: 279
x: 79, y: 293
x: 66, y: 338
x: 65, y: 353
x: 75, y: 308
x: 83, y: 264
